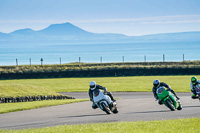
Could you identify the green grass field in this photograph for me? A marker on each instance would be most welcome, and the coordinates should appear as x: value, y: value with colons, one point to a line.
x: 191, y: 125
x: 24, y: 87
x: 15, y: 89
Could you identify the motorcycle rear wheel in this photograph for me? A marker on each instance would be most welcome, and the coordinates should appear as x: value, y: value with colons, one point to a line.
x: 179, y: 107
x: 115, y: 111
x: 169, y: 105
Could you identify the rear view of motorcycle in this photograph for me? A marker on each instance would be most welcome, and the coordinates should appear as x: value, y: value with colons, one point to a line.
x: 104, y: 102
x: 168, y: 99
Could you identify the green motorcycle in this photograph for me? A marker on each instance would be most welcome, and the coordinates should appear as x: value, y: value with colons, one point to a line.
x: 168, y: 99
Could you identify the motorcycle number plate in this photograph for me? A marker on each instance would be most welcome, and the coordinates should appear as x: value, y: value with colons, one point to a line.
x: 160, y: 91
x: 96, y: 93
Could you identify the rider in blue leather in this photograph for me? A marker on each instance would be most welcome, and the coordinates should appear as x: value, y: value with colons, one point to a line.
x: 157, y: 84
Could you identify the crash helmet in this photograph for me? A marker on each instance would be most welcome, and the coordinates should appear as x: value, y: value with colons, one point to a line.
x: 156, y: 83
x: 92, y: 85
x: 193, y: 80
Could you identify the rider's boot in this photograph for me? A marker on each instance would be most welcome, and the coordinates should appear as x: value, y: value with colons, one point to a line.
x: 94, y: 106
x: 160, y: 102
x: 111, y: 105
x: 177, y: 97
x: 194, y: 96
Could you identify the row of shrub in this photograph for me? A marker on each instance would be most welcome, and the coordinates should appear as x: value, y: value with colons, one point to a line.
x: 32, y: 98
x: 139, y: 71
x: 85, y: 66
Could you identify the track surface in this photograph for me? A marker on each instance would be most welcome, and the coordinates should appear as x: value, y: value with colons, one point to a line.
x: 133, y: 106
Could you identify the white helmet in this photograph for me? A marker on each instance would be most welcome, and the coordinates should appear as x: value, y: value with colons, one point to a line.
x: 92, y: 85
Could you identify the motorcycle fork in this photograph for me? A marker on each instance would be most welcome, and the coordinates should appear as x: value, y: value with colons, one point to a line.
x: 173, y: 100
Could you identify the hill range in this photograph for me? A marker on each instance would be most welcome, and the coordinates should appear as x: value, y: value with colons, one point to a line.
x: 69, y: 33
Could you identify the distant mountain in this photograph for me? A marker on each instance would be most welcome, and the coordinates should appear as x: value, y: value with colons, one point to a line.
x: 65, y: 29
x: 68, y: 33
x: 23, y: 32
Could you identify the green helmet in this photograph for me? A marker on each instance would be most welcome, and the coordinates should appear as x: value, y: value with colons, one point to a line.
x: 193, y: 80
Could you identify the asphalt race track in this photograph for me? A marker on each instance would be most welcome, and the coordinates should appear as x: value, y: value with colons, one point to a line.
x: 133, y: 106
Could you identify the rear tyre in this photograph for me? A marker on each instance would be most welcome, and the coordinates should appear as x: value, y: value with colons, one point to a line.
x: 169, y: 105
x: 105, y: 108
x: 179, y: 107
x: 115, y: 111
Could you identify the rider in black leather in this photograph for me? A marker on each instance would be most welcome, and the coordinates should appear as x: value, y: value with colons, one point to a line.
x: 94, y: 86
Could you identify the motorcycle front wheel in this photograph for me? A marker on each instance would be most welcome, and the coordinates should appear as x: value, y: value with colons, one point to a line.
x: 105, y: 108
x: 169, y: 105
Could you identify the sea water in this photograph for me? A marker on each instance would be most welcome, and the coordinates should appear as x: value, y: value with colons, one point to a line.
x: 26, y: 54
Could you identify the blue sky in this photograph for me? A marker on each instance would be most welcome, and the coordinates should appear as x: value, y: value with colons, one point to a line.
x: 129, y: 17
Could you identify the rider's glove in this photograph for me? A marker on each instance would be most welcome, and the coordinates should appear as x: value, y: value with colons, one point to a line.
x: 105, y: 92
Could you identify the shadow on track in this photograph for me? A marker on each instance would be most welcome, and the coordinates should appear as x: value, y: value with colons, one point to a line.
x: 191, y: 106
x: 149, y: 112
x: 83, y: 116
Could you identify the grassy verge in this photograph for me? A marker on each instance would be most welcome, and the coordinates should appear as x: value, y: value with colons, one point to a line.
x: 12, y: 107
x: 166, y: 126
x: 132, y: 83
x: 18, y: 88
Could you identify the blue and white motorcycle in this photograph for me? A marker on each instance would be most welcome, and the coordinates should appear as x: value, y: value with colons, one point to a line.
x: 104, y: 102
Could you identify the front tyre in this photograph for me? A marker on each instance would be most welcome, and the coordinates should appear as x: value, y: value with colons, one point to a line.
x: 169, y: 105
x: 105, y: 108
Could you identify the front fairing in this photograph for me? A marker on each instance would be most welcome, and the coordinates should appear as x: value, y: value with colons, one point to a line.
x: 99, y: 96
x: 162, y: 93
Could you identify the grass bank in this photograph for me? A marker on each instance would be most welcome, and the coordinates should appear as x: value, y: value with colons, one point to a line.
x: 12, y: 107
x: 19, y: 88
x: 54, y: 85
x: 166, y: 126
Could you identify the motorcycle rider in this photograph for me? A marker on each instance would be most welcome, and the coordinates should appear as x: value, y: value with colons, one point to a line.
x: 94, y: 86
x: 194, y: 83
x: 156, y: 85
